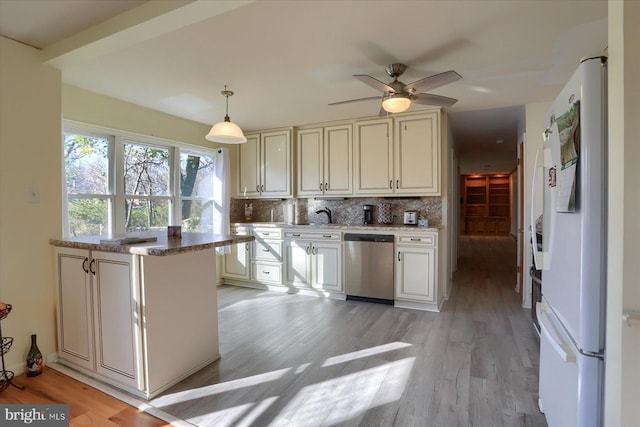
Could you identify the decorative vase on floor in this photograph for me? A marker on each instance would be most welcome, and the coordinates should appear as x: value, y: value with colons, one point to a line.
x: 34, y: 359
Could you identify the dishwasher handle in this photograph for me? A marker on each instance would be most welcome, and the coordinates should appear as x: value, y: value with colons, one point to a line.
x: 376, y: 238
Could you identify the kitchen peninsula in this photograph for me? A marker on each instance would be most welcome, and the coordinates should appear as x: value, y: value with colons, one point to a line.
x: 142, y: 316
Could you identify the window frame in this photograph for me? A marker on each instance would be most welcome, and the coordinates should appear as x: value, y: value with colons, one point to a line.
x: 117, y: 140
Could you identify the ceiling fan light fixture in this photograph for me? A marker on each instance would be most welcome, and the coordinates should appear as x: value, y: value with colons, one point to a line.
x: 396, y: 103
x: 226, y: 132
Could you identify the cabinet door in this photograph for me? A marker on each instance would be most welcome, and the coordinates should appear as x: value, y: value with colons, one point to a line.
x: 417, y: 155
x: 249, y: 167
x: 373, y: 157
x: 297, y: 262
x: 415, y: 275
x: 116, y: 318
x: 236, y: 263
x: 74, y: 299
x: 338, y: 174
x: 276, y: 164
x: 310, y: 164
x: 326, y: 266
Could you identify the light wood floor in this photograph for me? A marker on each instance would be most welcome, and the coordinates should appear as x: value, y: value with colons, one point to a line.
x: 87, y: 406
x: 304, y: 361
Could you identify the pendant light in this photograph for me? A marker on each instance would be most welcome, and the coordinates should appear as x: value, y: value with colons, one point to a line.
x: 226, y: 132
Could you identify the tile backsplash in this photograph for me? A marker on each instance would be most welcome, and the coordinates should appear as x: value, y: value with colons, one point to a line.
x: 345, y: 211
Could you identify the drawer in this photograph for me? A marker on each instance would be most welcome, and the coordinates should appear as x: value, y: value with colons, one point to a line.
x: 268, y: 233
x: 265, y: 272
x: 419, y: 239
x: 239, y: 231
x: 307, y: 235
x: 267, y: 250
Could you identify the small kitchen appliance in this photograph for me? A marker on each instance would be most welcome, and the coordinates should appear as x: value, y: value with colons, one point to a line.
x: 410, y: 218
x: 368, y: 214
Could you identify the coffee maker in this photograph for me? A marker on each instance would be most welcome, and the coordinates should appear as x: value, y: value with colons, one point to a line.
x: 368, y: 214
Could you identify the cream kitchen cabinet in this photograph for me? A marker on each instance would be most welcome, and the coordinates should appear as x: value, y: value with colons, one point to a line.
x: 264, y: 165
x: 122, y: 317
x: 98, y: 303
x: 313, y: 260
x: 399, y: 156
x: 266, y: 260
x: 416, y: 264
x: 324, y: 161
x: 235, y: 264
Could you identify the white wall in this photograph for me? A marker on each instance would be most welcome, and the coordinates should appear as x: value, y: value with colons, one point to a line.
x: 30, y: 151
x: 622, y: 366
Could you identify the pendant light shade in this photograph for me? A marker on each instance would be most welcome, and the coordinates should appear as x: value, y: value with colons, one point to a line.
x: 396, y: 103
x: 226, y: 132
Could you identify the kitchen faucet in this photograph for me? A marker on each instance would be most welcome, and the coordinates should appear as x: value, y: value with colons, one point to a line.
x: 327, y: 211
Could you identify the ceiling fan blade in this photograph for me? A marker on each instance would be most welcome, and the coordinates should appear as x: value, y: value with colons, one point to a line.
x: 432, y: 82
x: 356, y: 100
x: 374, y: 83
x: 435, y: 100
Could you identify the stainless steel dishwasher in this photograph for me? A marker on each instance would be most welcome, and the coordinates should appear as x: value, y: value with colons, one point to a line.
x: 368, y: 264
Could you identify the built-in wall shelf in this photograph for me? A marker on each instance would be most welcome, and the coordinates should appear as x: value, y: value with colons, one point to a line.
x: 486, y: 204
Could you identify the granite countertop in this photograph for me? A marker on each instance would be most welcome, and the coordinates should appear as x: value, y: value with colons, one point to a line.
x: 345, y: 227
x: 190, y: 242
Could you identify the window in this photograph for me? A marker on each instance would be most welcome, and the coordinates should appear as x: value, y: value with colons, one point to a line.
x: 147, y: 200
x: 196, y: 191
x: 87, y: 163
x: 118, y: 183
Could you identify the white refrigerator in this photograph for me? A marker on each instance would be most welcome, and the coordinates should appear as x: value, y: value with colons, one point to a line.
x: 573, y: 256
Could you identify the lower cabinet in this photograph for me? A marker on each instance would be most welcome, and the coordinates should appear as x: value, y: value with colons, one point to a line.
x: 122, y: 318
x: 416, y: 259
x: 236, y: 263
x: 313, y: 260
x: 266, y: 257
x: 97, y: 302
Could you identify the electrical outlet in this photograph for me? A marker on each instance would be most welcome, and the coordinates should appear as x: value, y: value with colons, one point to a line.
x: 33, y: 194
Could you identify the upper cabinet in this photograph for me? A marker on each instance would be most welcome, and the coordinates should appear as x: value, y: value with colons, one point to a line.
x: 399, y: 156
x: 324, y: 161
x: 264, y: 165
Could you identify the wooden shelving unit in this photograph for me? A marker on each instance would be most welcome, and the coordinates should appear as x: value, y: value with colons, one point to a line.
x: 486, y: 204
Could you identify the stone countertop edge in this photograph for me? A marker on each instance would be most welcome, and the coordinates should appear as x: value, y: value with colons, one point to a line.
x: 345, y: 227
x: 190, y: 242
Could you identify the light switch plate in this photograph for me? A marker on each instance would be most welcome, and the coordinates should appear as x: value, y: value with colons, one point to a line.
x: 33, y: 194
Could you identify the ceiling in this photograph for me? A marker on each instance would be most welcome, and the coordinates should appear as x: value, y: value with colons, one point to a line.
x: 287, y: 60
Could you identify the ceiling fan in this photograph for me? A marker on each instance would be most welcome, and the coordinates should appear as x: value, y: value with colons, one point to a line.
x: 397, y: 96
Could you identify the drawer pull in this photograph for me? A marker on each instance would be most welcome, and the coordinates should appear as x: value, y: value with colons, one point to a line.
x: 265, y: 272
x: 416, y: 240
x: 265, y: 250
x: 265, y: 234
x: 327, y: 236
x: 296, y: 234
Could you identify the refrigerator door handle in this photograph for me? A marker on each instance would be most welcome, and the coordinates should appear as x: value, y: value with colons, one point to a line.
x: 537, y: 255
x: 549, y: 329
